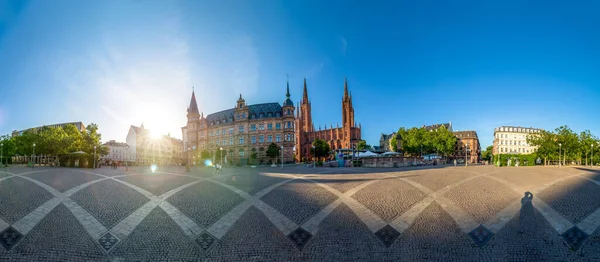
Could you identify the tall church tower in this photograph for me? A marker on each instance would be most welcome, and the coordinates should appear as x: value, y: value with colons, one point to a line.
x: 347, y: 116
x: 193, y: 116
x: 306, y: 119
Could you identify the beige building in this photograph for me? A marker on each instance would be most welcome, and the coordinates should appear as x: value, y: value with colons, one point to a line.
x: 116, y: 152
x: 467, y: 146
x: 145, y: 149
x: 513, y: 140
x: 244, y: 132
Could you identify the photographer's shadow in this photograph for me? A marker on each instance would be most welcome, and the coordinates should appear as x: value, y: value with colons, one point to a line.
x: 526, y: 215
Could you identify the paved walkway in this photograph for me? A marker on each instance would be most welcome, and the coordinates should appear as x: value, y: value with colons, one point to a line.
x: 300, y: 214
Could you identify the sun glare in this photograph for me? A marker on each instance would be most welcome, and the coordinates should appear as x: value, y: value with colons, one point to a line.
x: 155, y: 135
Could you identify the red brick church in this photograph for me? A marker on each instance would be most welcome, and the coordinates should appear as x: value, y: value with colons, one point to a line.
x: 343, y: 137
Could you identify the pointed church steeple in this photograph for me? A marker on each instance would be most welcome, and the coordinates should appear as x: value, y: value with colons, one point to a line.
x: 305, y: 94
x: 288, y: 89
x: 346, y: 89
x: 193, y: 108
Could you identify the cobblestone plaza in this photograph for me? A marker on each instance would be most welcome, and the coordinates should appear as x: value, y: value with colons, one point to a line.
x: 478, y: 213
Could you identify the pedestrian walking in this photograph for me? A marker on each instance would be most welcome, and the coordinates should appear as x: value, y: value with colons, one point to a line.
x: 454, y: 162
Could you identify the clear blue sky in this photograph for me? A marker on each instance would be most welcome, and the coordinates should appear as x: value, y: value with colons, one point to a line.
x: 408, y: 63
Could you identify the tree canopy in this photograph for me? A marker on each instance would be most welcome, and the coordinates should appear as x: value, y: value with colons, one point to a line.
x: 413, y: 141
x: 273, y: 151
x: 362, y: 145
x: 573, y: 146
x: 487, y: 154
x: 54, y: 141
x: 321, y: 148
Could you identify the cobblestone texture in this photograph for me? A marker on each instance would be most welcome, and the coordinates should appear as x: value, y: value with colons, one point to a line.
x: 253, y: 238
x: 433, y: 236
x: 482, y: 197
x: 157, y: 184
x: 251, y: 182
x: 529, y: 237
x: 18, y: 197
x: 299, y: 200
x: 109, y: 201
x: 343, y: 183
x: 438, y: 178
x: 343, y: 237
x: 528, y: 178
x: 389, y: 198
x: 3, y: 174
x: 205, y: 202
x: 63, y: 179
x: 157, y: 238
x: 58, y: 237
x: 574, y: 198
x: 591, y: 249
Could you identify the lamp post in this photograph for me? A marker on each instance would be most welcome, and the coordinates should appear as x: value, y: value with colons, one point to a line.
x: 353, y: 148
x: 592, y: 155
x: 466, y: 153
x: 221, y: 153
x: 1, y: 154
x: 94, y: 156
x: 315, y: 154
x: 126, y: 157
x: 33, y: 158
x: 559, y: 148
x: 281, y: 157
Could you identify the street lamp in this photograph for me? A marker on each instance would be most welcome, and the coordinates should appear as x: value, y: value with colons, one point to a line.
x: 281, y: 157
x: 315, y: 154
x: 559, y: 147
x: 592, y: 155
x: 221, y: 153
x: 33, y: 164
x: 1, y: 153
x: 94, y: 156
x: 466, y: 153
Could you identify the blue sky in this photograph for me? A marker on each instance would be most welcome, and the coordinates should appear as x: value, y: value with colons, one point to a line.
x: 408, y: 63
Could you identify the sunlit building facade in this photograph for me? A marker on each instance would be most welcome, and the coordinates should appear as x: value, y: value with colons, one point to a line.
x: 467, y: 147
x: 244, y: 132
x: 513, y: 140
x: 116, y: 152
x: 144, y: 149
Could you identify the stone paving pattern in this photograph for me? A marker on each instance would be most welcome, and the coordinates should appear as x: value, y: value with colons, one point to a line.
x: 205, y: 202
x: 223, y: 217
x: 389, y: 198
x: 482, y: 197
x: 109, y: 201
x: 575, y: 198
x: 299, y: 200
x: 18, y: 197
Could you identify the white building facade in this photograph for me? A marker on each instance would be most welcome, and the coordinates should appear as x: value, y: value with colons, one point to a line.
x: 513, y: 140
x: 118, y: 152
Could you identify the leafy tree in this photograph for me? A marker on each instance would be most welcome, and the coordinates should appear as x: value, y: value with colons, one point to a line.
x: 362, y: 145
x: 205, y: 154
x: 394, y: 144
x: 321, y: 148
x: 417, y: 141
x: 273, y: 151
x: 487, y: 154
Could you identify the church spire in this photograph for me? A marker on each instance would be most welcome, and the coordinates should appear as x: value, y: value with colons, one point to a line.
x: 288, y: 87
x: 345, y: 89
x: 193, y: 108
x: 305, y: 95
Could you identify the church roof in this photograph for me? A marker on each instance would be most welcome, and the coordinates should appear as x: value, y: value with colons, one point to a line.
x: 193, y: 108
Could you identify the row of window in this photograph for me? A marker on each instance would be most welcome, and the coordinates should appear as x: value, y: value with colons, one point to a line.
x: 519, y: 150
x: 513, y: 143
x: 253, y: 140
x: 513, y: 136
x: 517, y: 129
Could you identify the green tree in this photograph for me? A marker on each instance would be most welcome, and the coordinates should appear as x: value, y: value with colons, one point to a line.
x: 273, y: 151
x: 487, y: 154
x: 362, y: 145
x: 321, y: 148
x: 394, y: 144
x: 205, y: 154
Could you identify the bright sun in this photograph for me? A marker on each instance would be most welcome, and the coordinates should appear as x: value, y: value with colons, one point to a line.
x: 155, y: 135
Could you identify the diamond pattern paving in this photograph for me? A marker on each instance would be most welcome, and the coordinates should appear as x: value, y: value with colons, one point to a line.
x: 9, y: 238
x: 389, y: 198
x: 438, y: 178
x: 253, y: 238
x: 157, y: 237
x: 574, y: 198
x: 528, y: 178
x: 299, y: 199
x: 435, y: 236
x: 109, y: 201
x: 18, y: 197
x: 251, y: 183
x: 343, y: 183
x: 574, y: 237
x: 63, y: 179
x: 482, y: 197
x: 481, y: 235
x: 387, y: 235
x: 205, y: 240
x: 58, y: 237
x: 108, y: 241
x: 157, y: 184
x: 205, y: 202
x: 300, y: 237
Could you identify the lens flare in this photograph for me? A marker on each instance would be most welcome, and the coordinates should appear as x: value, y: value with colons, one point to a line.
x: 153, y: 168
x: 207, y: 162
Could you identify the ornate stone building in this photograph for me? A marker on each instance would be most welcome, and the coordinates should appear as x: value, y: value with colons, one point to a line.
x: 338, y: 138
x: 242, y: 132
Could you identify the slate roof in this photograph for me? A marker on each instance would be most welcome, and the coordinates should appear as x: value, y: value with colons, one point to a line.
x: 252, y: 109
